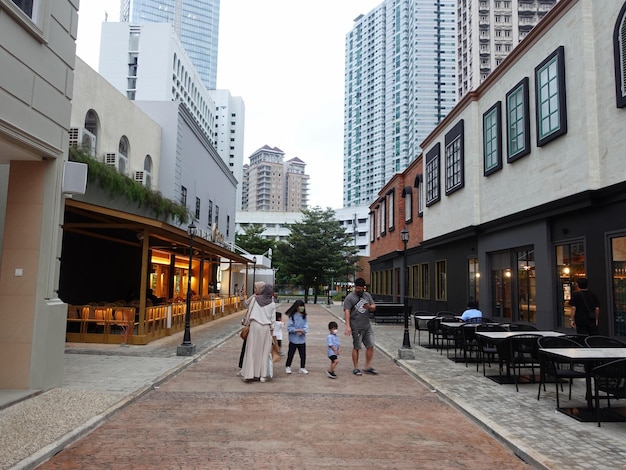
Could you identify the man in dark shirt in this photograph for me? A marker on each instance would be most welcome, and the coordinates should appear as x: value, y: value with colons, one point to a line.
x: 585, y: 309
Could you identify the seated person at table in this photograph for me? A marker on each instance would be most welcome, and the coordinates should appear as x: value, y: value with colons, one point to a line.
x: 472, y: 314
x: 153, y: 298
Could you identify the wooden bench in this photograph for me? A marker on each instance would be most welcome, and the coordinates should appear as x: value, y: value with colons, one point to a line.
x: 388, y: 312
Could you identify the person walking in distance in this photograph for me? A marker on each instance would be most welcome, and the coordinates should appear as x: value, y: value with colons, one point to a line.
x: 297, y: 327
x: 585, y: 309
x: 332, y: 341
x: 357, y: 307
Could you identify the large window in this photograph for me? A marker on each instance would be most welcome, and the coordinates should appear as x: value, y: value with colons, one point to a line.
x: 454, y: 158
x: 390, y: 210
x: 473, y: 275
x: 432, y: 175
x: 424, y: 281
x: 518, y: 121
x: 550, y: 98
x: 407, y: 194
x: 619, y: 57
x: 26, y: 6
x: 441, y: 280
x: 492, y: 139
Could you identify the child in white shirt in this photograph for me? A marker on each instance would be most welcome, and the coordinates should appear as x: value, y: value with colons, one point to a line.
x: 278, y: 332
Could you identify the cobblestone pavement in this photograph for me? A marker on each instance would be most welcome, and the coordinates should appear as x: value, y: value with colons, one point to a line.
x: 148, y: 408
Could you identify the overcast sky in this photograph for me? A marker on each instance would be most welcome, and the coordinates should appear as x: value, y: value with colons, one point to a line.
x: 285, y: 58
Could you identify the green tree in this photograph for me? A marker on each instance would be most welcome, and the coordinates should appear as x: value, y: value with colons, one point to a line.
x: 252, y: 241
x: 316, y: 249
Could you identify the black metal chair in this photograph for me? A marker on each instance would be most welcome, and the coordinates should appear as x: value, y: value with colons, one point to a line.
x: 522, y: 327
x: 449, y: 335
x: 420, y: 325
x: 467, y: 342
x: 580, y: 339
x: 599, y: 341
x: 485, y: 347
x: 609, y: 378
x: 518, y: 352
x: 557, y: 369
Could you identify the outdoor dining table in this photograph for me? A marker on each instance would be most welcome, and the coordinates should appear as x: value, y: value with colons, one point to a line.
x: 589, y: 357
x: 496, y: 336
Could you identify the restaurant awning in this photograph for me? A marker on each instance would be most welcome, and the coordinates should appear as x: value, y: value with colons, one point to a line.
x: 122, y: 227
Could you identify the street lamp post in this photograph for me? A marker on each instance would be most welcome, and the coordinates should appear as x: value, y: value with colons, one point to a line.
x: 347, y: 274
x: 405, y: 352
x: 186, y: 348
x: 253, y: 272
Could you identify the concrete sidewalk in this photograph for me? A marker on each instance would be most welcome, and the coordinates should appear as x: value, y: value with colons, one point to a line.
x: 102, y: 379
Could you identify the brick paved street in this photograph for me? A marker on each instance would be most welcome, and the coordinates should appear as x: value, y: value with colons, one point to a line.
x: 206, y: 417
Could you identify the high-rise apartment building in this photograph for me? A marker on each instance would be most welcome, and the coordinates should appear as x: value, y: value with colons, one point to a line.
x: 487, y: 31
x: 195, y: 21
x: 400, y: 82
x: 272, y: 185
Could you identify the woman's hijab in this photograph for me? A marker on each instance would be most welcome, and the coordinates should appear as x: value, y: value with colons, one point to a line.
x: 258, y: 287
x: 266, y: 296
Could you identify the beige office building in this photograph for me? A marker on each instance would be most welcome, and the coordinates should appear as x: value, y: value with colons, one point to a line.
x: 272, y: 185
x: 487, y: 31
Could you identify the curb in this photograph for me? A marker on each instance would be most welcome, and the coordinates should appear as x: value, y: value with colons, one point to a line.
x: 47, y: 452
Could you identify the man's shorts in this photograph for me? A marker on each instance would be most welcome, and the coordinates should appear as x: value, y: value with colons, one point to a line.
x: 363, y: 337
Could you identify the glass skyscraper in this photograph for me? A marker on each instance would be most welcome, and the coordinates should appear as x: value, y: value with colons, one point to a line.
x: 195, y: 21
x: 400, y: 82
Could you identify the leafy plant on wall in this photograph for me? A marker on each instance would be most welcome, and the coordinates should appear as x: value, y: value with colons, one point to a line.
x: 117, y: 184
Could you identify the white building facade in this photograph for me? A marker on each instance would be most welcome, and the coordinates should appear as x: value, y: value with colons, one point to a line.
x: 148, y: 62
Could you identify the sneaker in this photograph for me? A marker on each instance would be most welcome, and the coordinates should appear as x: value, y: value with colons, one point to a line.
x: 331, y: 375
x: 303, y: 370
x: 262, y: 380
x: 287, y: 370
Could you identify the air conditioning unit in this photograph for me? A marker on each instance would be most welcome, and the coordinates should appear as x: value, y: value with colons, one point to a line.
x: 117, y: 160
x: 83, y: 139
x: 144, y: 178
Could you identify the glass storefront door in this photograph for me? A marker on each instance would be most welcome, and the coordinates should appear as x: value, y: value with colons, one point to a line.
x: 501, y: 293
x: 570, y: 266
x: 618, y: 265
x: 526, y: 286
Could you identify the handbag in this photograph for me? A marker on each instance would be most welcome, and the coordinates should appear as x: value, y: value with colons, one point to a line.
x: 275, y: 353
x: 246, y: 321
x: 244, y: 332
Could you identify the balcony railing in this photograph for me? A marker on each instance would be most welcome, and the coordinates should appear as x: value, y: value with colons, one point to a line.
x: 123, y: 324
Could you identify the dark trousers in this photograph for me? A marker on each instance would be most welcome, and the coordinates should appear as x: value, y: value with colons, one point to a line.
x: 292, y: 350
x: 586, y: 328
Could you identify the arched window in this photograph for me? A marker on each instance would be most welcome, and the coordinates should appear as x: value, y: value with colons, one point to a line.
x: 619, y: 57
